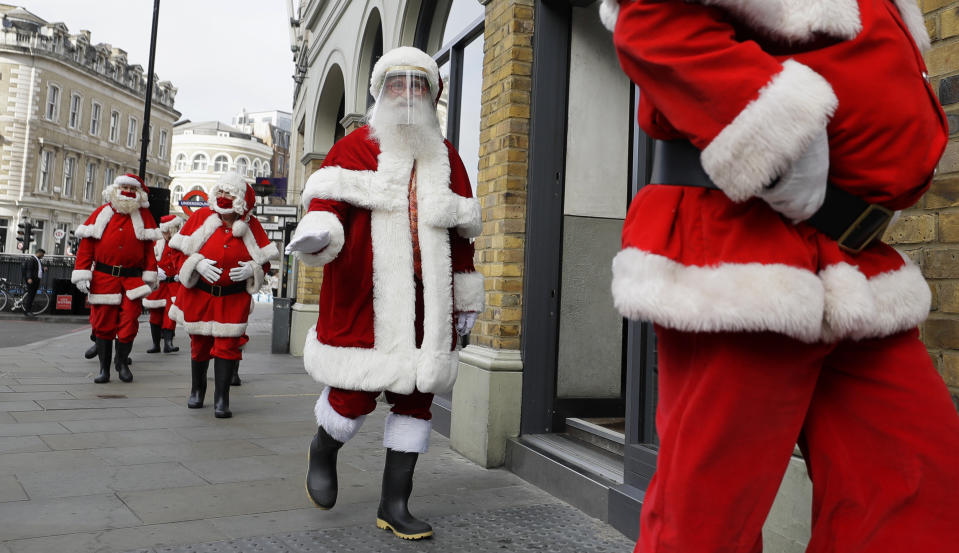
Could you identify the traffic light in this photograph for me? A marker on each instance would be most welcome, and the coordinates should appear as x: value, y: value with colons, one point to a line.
x: 24, y: 235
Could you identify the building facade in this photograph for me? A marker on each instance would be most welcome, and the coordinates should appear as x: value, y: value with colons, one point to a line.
x: 554, y: 384
x: 273, y: 127
x: 71, y: 121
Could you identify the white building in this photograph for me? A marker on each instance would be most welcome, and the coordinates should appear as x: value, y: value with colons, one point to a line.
x: 203, y: 151
x: 273, y: 127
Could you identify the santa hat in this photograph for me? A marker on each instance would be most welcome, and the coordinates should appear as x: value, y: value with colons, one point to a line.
x: 406, y: 57
x: 132, y: 180
x: 244, y: 198
x: 170, y: 223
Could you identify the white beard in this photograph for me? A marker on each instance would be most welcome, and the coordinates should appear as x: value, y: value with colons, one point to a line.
x: 413, y: 130
x: 123, y: 204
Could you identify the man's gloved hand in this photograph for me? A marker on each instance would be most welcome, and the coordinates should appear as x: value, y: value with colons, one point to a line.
x: 465, y: 322
x: 161, y: 274
x: 208, y: 270
x: 241, y: 272
x: 799, y: 193
x: 84, y: 286
x: 311, y: 242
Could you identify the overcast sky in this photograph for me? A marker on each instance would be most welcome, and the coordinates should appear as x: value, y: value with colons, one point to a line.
x: 221, y: 55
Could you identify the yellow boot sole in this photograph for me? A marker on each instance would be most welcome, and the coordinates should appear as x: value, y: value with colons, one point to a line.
x: 383, y: 525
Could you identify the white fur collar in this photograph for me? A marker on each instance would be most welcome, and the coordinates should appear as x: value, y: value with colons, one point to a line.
x: 191, y: 243
x: 800, y: 20
x: 95, y: 230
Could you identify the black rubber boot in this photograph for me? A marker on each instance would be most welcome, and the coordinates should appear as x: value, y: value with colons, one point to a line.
x: 155, y: 334
x: 168, y: 346
x: 198, y: 383
x: 235, y: 381
x: 321, y: 484
x: 105, y: 352
x: 394, y: 513
x: 123, y: 361
x: 222, y: 374
x: 92, y: 352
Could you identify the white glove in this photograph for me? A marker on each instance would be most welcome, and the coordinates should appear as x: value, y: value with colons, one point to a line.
x: 84, y: 286
x: 309, y: 242
x: 241, y: 272
x: 208, y: 270
x: 161, y: 274
x: 799, y: 193
x: 465, y: 322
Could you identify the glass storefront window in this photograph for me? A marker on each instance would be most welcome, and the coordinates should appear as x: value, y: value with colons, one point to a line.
x: 471, y: 88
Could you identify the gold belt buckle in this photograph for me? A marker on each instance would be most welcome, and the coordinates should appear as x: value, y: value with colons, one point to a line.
x: 870, y: 224
x: 115, y: 270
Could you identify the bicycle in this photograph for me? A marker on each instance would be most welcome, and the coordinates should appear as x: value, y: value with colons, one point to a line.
x: 14, y: 296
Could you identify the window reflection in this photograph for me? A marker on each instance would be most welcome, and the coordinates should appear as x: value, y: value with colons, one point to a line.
x: 462, y: 13
x: 443, y: 104
x: 470, y: 103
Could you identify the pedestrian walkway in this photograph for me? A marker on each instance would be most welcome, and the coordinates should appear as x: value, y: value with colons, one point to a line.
x: 127, y: 467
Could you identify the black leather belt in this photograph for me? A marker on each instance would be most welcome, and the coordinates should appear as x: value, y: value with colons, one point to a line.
x: 117, y: 270
x: 219, y: 291
x: 849, y: 220
x: 169, y: 279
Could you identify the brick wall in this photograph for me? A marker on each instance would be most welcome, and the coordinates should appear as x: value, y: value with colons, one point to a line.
x: 929, y: 232
x: 504, y: 145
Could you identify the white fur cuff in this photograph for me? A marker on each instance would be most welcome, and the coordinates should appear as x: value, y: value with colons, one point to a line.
x: 340, y: 428
x: 105, y: 299
x: 188, y: 274
x: 407, y: 434
x: 153, y: 304
x: 749, y: 153
x: 468, y: 292
x: 609, y: 13
x: 139, y: 292
x: 448, y: 209
x: 316, y: 221
x: 150, y: 277
x: 255, y: 282
x: 80, y: 275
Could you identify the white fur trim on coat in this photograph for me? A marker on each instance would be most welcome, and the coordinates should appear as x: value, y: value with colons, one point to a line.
x: 188, y: 275
x: 406, y: 433
x: 915, y: 22
x: 96, y: 229
x: 79, y: 275
x: 750, y: 153
x: 191, y: 244
x: 316, y: 221
x: 448, y: 209
x: 340, y: 428
x: 151, y: 278
x: 729, y: 297
x: 207, y: 328
x: 153, y: 304
x: 858, y: 308
x: 609, y: 13
x: 796, y: 20
x: 385, y: 189
x: 468, y: 292
x: 172, y: 225
x: 139, y: 292
x: 255, y: 282
x: 105, y: 299
x: 374, y: 370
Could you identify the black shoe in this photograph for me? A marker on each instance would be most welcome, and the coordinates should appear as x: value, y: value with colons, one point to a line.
x: 394, y: 513
x: 198, y: 383
x: 105, y: 352
x: 321, y: 483
x: 122, y: 361
x: 91, y: 353
x: 168, y: 346
x: 155, y: 334
x: 222, y: 374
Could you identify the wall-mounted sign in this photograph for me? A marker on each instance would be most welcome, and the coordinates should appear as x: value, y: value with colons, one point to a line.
x: 192, y: 200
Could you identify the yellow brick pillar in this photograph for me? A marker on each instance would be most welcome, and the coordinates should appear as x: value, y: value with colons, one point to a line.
x: 929, y: 232
x: 487, y: 395
x: 308, y: 280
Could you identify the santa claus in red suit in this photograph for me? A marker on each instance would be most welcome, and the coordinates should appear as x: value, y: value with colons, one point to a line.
x: 390, y: 215
x: 116, y: 268
x: 788, y: 132
x: 224, y: 254
x: 160, y: 301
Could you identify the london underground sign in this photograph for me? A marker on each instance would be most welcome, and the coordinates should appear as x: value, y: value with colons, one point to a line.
x: 192, y: 200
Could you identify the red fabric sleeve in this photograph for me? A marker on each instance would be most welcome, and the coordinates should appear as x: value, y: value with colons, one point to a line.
x: 461, y: 249
x: 84, y: 259
x: 690, y: 66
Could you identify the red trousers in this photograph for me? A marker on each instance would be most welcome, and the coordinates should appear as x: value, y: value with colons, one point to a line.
x: 204, y: 348
x: 356, y: 403
x: 879, y: 433
x: 116, y: 321
x: 161, y: 317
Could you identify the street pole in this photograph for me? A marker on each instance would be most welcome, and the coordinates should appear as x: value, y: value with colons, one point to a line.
x: 145, y: 136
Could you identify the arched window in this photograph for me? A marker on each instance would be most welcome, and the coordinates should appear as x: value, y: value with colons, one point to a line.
x: 181, y: 162
x: 199, y: 162
x: 242, y: 166
x: 221, y: 164
x: 256, y: 168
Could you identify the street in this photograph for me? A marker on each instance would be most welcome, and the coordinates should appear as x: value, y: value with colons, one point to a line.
x: 127, y: 467
x: 17, y: 330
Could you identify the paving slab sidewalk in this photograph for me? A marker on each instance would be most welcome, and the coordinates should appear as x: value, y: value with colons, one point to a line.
x: 127, y: 467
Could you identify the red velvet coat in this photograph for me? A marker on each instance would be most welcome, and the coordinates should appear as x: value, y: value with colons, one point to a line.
x: 166, y: 291
x: 205, y: 236
x: 376, y: 329
x: 749, y: 82
x: 119, y: 240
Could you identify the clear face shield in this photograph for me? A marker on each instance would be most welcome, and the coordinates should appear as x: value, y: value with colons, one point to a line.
x: 404, y: 98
